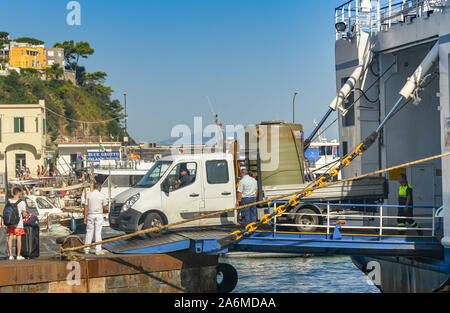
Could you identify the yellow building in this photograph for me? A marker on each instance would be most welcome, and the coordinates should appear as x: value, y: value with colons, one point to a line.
x: 28, y: 57
x: 22, y: 136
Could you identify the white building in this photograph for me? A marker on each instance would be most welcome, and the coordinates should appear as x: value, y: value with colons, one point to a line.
x: 82, y: 154
x: 22, y: 137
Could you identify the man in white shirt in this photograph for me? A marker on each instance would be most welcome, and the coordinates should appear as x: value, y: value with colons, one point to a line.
x: 247, y: 193
x: 94, y: 207
x: 18, y: 229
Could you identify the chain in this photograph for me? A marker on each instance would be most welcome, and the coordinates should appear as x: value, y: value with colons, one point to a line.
x: 295, y: 200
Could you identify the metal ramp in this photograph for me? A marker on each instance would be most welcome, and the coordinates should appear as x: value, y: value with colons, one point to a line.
x: 169, y: 241
x: 205, y: 241
x: 340, y: 234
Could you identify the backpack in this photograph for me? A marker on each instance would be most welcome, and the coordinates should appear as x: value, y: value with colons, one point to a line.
x: 31, y: 220
x: 11, y: 213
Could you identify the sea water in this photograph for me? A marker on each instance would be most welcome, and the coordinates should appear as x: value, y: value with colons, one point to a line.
x: 316, y: 274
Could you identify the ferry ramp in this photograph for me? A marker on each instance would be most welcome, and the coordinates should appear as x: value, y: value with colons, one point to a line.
x: 338, y: 235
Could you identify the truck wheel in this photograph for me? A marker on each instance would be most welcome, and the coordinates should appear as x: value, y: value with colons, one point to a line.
x: 305, y: 221
x: 229, y: 278
x: 153, y: 220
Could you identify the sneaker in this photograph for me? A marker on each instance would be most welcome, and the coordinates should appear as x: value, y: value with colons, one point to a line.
x: 100, y: 252
x: 11, y: 257
x: 86, y: 252
x: 19, y: 257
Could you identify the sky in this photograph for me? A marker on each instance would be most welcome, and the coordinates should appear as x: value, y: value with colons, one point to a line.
x: 168, y: 56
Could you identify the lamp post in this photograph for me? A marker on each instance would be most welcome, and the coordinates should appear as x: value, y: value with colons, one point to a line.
x: 293, y: 107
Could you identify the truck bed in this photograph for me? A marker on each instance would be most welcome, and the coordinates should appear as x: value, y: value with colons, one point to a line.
x: 369, y: 188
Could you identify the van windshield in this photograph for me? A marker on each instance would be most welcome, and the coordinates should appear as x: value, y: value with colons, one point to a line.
x: 154, y: 174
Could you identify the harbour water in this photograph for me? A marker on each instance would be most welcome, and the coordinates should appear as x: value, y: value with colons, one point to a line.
x: 300, y: 275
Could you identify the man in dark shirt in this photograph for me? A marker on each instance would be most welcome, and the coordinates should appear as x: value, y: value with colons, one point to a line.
x: 185, y: 179
x: 405, y: 199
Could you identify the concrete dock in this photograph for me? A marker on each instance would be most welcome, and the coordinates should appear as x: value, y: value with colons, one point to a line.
x: 143, y: 273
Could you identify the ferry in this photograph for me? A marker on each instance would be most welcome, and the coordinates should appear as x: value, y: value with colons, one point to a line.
x: 386, y: 49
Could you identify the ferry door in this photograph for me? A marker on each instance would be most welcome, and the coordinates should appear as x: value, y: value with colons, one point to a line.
x: 220, y: 192
x: 183, y: 201
x: 423, y: 181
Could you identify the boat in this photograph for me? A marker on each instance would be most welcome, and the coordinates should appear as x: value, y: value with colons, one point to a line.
x: 392, y: 71
x: 321, y: 156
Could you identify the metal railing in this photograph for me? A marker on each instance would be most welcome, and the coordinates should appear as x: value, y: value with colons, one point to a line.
x: 373, y: 16
x: 332, y: 216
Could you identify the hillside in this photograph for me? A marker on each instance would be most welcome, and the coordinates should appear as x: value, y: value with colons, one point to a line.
x: 69, y: 106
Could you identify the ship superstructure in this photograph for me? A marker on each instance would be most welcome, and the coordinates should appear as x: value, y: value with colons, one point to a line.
x: 386, y: 49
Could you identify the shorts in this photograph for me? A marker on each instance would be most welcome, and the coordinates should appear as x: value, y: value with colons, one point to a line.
x: 15, y: 231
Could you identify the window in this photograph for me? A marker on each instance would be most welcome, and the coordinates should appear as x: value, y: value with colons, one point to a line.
x: 43, y: 126
x: 349, y: 118
x: 31, y: 207
x: 176, y: 180
x: 217, y: 172
x: 20, y: 161
x: 36, y: 120
x: 73, y: 159
x: 154, y: 174
x: 32, y: 63
x: 43, y: 204
x: 38, y: 64
x: 50, y: 53
x: 344, y: 148
x: 19, y: 125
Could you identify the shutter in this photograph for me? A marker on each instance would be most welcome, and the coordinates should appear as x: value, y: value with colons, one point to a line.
x: 43, y: 126
x: 16, y: 124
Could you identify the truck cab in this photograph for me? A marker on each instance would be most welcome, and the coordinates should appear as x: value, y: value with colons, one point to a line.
x: 163, y: 196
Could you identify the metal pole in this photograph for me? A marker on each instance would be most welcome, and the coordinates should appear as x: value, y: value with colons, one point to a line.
x: 328, y: 220
x: 389, y: 114
x: 381, y: 221
x: 6, y: 177
x: 293, y: 107
x: 433, y: 223
x: 126, y: 116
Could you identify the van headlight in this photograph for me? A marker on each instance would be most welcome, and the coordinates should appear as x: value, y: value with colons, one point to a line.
x: 130, y: 202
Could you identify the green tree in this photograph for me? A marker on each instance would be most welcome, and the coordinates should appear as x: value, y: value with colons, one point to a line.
x: 55, y: 71
x: 73, y: 51
x: 31, y: 41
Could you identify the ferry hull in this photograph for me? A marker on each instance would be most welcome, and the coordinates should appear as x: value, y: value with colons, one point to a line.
x: 407, y: 275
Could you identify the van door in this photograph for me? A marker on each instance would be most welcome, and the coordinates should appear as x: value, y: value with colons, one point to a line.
x: 220, y: 192
x: 185, y: 199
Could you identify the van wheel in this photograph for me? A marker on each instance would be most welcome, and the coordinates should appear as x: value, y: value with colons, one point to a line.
x: 153, y: 220
x: 304, y: 220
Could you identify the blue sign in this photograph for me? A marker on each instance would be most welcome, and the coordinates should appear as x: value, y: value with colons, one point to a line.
x: 107, y: 155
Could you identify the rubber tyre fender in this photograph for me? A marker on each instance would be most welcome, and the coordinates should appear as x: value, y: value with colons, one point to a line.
x: 230, y: 278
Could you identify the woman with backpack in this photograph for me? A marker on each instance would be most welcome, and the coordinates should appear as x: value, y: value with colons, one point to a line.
x: 18, y: 205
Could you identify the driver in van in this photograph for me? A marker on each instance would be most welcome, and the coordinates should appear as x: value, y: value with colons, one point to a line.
x: 185, y: 178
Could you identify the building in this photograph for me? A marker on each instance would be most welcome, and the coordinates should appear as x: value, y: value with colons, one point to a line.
x: 54, y: 56
x: 22, y: 137
x: 27, y: 56
x: 77, y: 155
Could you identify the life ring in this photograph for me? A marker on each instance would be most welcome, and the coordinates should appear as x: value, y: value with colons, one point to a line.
x: 229, y: 280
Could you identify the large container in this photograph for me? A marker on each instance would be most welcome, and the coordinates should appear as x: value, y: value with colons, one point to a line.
x: 279, y: 146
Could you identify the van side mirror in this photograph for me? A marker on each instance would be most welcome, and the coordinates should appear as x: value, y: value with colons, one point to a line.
x: 165, y: 186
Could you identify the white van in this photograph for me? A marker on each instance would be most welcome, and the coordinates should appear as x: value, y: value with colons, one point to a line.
x: 161, y: 198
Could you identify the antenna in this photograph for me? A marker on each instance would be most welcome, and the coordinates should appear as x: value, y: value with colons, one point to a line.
x: 216, y: 121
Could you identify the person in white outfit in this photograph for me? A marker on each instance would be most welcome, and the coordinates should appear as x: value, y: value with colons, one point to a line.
x: 94, y: 207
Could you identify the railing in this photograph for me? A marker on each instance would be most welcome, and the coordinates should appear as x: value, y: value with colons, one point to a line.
x: 331, y: 217
x: 373, y: 16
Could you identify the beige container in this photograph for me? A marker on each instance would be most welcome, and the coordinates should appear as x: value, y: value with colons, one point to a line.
x: 281, y: 151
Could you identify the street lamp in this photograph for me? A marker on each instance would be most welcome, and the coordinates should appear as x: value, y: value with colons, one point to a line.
x: 293, y: 107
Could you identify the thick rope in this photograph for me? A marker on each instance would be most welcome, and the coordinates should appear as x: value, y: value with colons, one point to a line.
x: 162, y: 227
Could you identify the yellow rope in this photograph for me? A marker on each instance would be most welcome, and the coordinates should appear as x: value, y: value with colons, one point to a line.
x: 159, y: 228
